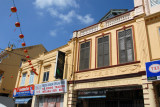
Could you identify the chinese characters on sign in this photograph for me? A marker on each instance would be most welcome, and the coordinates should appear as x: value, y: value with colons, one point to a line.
x: 51, y: 87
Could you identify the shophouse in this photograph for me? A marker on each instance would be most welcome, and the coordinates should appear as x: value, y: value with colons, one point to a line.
x: 110, y: 59
x: 53, y: 70
x: 10, y: 62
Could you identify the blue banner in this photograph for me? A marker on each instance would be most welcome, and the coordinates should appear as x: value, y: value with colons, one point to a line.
x: 153, y: 70
x: 23, y: 91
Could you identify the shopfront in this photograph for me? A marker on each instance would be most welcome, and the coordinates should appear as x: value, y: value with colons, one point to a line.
x: 23, y: 96
x: 50, y: 94
x: 130, y: 96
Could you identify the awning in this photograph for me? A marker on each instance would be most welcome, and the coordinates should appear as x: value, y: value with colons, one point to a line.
x: 22, y: 100
x: 92, y: 97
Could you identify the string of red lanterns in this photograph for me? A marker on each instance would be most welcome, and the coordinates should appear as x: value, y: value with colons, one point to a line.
x: 21, y: 36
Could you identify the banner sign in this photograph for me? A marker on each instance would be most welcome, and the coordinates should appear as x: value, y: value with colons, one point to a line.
x: 153, y: 70
x: 60, y: 60
x: 23, y: 91
x: 51, y: 87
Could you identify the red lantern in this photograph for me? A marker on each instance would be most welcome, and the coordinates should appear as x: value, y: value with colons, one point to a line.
x: 12, y: 76
x: 23, y: 44
x: 30, y: 63
x: 29, y: 60
x: 17, y: 24
x: 13, y: 9
x: 25, y: 51
x: 21, y: 36
x: 27, y: 56
x: 32, y: 67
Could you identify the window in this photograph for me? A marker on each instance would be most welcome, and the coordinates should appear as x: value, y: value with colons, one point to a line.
x: 23, y: 79
x: 154, y: 2
x: 126, y: 53
x: 1, y: 75
x: 46, y: 76
x: 84, y: 56
x: 103, y: 51
x: 31, y: 77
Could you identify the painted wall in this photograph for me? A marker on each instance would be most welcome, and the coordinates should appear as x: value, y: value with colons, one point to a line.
x: 10, y: 66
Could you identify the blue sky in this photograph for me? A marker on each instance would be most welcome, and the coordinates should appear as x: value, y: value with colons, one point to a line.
x: 52, y: 22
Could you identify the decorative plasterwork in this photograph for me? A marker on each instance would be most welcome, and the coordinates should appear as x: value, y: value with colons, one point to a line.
x: 111, y: 22
x: 110, y: 83
x: 128, y: 69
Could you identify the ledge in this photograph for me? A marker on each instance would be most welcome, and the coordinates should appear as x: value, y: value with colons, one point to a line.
x: 140, y: 73
x: 108, y: 66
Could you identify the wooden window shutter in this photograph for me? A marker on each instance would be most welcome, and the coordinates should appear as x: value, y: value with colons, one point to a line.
x: 103, y: 51
x: 129, y: 45
x: 106, y: 51
x: 126, y: 52
x: 84, y: 56
x: 122, y: 48
x: 87, y: 55
x: 44, y: 76
x: 100, y: 52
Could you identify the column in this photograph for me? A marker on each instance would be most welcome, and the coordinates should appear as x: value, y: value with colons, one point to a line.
x: 148, y: 93
x: 72, y: 96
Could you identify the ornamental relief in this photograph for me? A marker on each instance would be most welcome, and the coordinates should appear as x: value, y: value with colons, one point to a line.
x: 110, y: 83
x: 128, y: 69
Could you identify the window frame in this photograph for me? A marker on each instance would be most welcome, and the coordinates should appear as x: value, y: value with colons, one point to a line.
x: 79, y: 49
x: 1, y: 75
x: 31, y: 82
x: 24, y: 79
x: 45, y: 76
x: 96, y: 49
x: 133, y: 41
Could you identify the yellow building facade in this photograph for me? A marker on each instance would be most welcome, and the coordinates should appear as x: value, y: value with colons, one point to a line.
x: 45, y: 68
x: 10, y: 61
x: 104, y: 64
x: 110, y: 60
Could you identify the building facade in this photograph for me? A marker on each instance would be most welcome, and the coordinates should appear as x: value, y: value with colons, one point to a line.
x: 104, y: 64
x: 10, y: 62
x: 110, y: 59
x: 48, y: 90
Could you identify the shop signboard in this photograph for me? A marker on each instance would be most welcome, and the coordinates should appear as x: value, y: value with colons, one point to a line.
x: 51, y: 87
x: 92, y: 92
x: 23, y: 91
x: 153, y: 70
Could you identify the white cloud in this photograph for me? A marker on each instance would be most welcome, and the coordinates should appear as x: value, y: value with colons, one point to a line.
x: 58, y: 3
x: 53, y: 33
x: 87, y: 19
x: 64, y: 17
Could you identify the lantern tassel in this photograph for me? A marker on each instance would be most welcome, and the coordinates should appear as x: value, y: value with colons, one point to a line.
x: 10, y: 15
x: 14, y: 29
